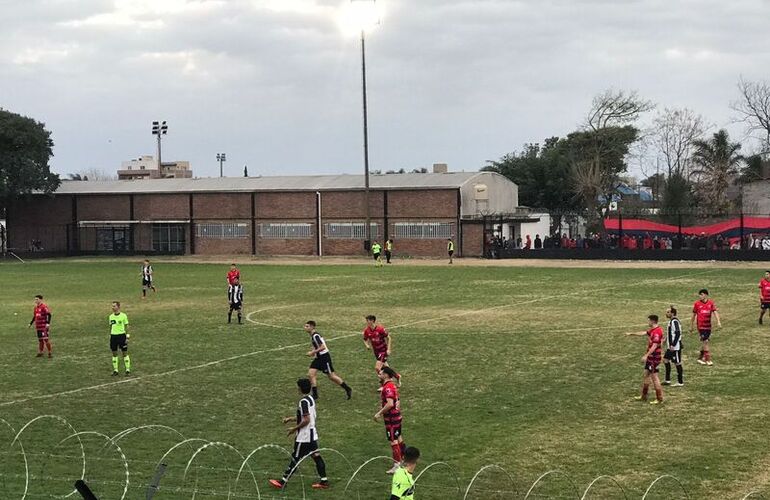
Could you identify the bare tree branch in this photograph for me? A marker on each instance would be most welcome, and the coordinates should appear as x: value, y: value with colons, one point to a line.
x: 615, y: 108
x: 753, y: 109
x: 674, y: 134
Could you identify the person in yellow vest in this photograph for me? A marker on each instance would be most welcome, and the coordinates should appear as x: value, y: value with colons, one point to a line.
x: 450, y: 249
x: 388, y: 250
x: 376, y: 251
x: 402, y: 487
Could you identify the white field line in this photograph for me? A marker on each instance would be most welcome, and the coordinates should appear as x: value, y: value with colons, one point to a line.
x: 139, y: 378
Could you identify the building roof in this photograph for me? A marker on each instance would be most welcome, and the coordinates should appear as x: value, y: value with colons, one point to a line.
x: 452, y: 180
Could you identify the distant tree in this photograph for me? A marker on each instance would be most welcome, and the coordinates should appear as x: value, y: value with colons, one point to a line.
x: 25, y: 149
x: 751, y: 170
x: 753, y: 109
x: 655, y: 182
x: 716, y: 161
x: 245, y: 171
x: 616, y: 108
x: 422, y: 170
x: 674, y: 133
x: 677, y: 197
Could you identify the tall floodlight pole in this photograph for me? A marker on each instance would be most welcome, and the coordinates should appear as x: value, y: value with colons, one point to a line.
x: 159, y: 129
x: 221, y: 158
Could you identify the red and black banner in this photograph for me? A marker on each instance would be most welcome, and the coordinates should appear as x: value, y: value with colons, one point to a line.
x: 729, y: 229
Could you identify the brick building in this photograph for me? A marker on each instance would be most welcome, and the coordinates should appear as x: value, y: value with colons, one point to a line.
x: 310, y: 215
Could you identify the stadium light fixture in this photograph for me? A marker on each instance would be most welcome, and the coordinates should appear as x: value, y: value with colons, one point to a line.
x: 159, y: 129
x: 221, y: 158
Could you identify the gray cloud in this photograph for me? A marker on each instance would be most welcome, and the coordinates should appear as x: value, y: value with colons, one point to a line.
x: 275, y: 84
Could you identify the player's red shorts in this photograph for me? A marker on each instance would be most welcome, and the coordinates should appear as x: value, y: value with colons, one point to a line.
x: 651, y: 365
x: 381, y: 356
x: 393, y: 431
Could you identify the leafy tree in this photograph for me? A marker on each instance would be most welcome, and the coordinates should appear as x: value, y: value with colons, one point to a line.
x: 656, y: 182
x: 751, y: 171
x: 716, y: 161
x: 25, y: 149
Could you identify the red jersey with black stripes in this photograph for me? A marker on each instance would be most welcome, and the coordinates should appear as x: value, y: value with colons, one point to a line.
x: 378, y: 337
x: 655, y: 337
x: 764, y: 290
x: 703, y: 312
x: 41, y: 318
x: 390, y: 391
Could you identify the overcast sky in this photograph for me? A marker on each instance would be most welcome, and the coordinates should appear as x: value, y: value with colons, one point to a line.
x: 276, y: 83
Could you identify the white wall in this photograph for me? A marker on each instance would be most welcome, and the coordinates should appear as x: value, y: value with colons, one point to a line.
x: 543, y: 227
x: 503, y: 195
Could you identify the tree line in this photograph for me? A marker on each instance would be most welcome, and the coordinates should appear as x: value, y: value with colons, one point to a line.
x: 687, y: 165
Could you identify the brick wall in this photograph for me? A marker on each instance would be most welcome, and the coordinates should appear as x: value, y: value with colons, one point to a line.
x: 351, y: 204
x: 103, y: 207
x: 212, y: 206
x: 43, y: 218
x: 161, y: 207
x: 423, y: 204
x: 284, y: 206
x: 473, y: 244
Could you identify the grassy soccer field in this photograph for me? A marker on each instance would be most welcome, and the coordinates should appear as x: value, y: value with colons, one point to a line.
x: 525, y: 368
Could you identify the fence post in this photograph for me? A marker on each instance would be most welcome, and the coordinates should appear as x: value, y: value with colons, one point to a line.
x: 679, y: 230
x: 743, y: 244
x: 620, y: 230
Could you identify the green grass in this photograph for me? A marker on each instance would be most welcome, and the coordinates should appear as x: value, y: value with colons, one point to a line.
x: 522, y: 367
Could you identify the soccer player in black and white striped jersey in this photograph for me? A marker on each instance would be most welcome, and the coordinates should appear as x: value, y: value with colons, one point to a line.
x: 306, y: 439
x: 322, y: 360
x: 674, y: 348
x: 147, y: 278
x: 235, y: 297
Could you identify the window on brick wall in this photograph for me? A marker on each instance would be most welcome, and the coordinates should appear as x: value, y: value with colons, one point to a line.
x: 423, y: 230
x: 222, y: 231
x: 285, y: 231
x: 350, y: 230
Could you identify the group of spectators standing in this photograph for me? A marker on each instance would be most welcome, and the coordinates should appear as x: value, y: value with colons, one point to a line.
x: 498, y: 246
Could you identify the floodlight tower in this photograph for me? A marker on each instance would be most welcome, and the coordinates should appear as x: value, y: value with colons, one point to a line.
x: 159, y: 129
x: 221, y: 158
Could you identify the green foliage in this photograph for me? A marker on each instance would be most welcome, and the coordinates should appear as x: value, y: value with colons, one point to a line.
x: 25, y: 149
x: 751, y: 171
x: 540, y: 171
x: 716, y: 160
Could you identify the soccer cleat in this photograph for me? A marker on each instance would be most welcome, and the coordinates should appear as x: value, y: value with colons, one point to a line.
x: 639, y: 398
x: 679, y: 384
x: 701, y: 362
x: 50, y: 355
x: 760, y: 321
x: 656, y: 402
x: 666, y: 382
x: 710, y: 363
x: 128, y: 373
x: 349, y: 392
x: 393, y: 469
x: 321, y: 485
x: 114, y: 374
x: 276, y: 483
x: 39, y: 355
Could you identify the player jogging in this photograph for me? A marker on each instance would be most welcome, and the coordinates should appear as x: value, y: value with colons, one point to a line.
x: 147, y: 278
x: 235, y: 298
x: 41, y: 318
x: 119, y: 339
x: 702, y: 311
x: 306, y: 438
x: 377, y: 339
x: 450, y: 249
x: 764, y: 295
x: 391, y: 415
x: 651, y: 360
x: 376, y: 251
x: 673, y: 348
x: 232, y: 274
x: 322, y: 361
x: 402, y: 487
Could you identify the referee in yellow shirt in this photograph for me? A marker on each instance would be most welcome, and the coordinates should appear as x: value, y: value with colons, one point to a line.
x: 403, y: 480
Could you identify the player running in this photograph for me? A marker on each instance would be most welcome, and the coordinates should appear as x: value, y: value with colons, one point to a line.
x: 41, y: 318
x: 651, y: 360
x: 235, y: 298
x: 702, y: 311
x: 322, y: 361
x: 232, y: 274
x: 306, y: 439
x: 377, y: 339
x: 764, y: 296
x: 119, y: 339
x: 402, y: 487
x: 674, y: 348
x: 391, y: 414
x: 147, y: 278
x: 376, y: 251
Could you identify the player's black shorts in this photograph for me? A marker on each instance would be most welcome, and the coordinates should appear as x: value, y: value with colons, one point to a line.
x: 118, y: 342
x: 651, y: 365
x: 673, y: 356
x: 42, y: 334
x: 236, y: 306
x: 393, y: 431
x: 323, y: 362
x: 704, y: 334
x: 147, y: 282
x: 451, y: 252
x: 764, y: 305
x: 376, y: 255
x: 304, y: 449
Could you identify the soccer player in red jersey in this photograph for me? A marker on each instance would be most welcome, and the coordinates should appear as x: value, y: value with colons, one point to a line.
x: 376, y: 339
x: 651, y: 360
x: 702, y: 311
x: 764, y: 295
x: 391, y: 414
x: 233, y: 274
x: 41, y: 318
